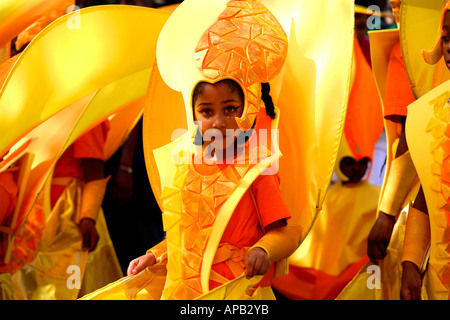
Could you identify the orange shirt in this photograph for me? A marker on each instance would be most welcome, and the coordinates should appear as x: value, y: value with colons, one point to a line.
x: 244, y: 230
x: 398, y: 90
x: 88, y: 146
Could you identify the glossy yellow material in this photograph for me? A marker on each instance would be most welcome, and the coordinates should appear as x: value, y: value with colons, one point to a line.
x: 419, y: 22
x: 402, y: 176
x: 238, y: 289
x: 310, y: 126
x: 382, y: 43
x: 16, y: 15
x: 427, y: 143
x: 70, y: 98
x: 417, y: 238
x: 146, y: 285
x: 47, y: 276
x: 339, y: 236
x: 62, y: 83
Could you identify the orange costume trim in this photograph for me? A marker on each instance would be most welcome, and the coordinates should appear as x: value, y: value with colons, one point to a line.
x: 398, y: 89
x: 364, y: 103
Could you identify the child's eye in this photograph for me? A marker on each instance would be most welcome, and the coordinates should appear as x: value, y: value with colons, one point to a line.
x: 231, y: 109
x: 444, y: 38
x: 205, y: 112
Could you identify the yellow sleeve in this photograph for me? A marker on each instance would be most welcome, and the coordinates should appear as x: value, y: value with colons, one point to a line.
x: 160, y: 251
x: 280, y: 243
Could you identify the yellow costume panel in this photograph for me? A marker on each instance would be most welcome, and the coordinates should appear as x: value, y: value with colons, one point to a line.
x: 70, y: 99
x: 428, y: 142
x: 336, y: 246
x: 419, y: 22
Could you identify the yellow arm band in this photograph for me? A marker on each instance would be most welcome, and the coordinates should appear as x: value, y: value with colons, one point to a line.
x: 399, y: 181
x: 92, y: 198
x: 279, y: 243
x: 159, y: 251
x: 417, y: 238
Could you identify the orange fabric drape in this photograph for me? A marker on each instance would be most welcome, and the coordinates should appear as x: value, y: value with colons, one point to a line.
x: 364, y: 121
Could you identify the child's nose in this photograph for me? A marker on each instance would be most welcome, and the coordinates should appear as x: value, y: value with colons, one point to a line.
x: 219, y: 121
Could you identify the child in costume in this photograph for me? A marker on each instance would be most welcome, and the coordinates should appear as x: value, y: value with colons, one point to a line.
x: 227, y: 100
x: 216, y: 232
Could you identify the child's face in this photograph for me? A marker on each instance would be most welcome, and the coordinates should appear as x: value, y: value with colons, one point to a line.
x: 354, y: 170
x: 445, y: 36
x: 216, y: 108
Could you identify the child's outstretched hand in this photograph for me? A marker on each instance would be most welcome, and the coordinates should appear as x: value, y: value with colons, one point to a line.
x: 138, y: 264
x: 257, y: 262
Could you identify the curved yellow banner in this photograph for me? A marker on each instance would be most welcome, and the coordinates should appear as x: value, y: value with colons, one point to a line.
x: 77, y: 54
x: 68, y: 80
x: 419, y: 22
x: 313, y: 101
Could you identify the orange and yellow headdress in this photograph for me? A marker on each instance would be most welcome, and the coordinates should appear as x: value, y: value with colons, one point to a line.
x: 243, y: 42
x: 246, y: 44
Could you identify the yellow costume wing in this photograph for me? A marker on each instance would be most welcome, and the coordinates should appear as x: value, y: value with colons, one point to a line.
x: 426, y: 121
x: 68, y: 79
x: 312, y: 98
x: 419, y: 22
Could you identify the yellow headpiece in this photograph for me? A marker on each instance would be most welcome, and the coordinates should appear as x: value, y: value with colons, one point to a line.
x: 433, y: 55
x: 243, y: 42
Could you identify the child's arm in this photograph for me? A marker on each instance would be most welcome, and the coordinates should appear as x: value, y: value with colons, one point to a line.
x: 156, y: 254
x: 279, y: 242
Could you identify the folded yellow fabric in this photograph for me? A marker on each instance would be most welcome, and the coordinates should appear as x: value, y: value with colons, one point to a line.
x: 417, y: 238
x: 400, y: 179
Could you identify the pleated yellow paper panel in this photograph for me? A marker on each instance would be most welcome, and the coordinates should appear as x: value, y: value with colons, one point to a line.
x: 419, y: 21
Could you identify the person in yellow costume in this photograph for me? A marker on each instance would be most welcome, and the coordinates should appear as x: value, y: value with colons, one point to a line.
x: 425, y: 257
x: 227, y: 105
x: 217, y: 234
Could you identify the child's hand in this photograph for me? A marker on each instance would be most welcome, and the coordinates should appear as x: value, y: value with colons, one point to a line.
x: 411, y: 282
x: 138, y: 264
x: 257, y: 262
x: 89, y: 234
